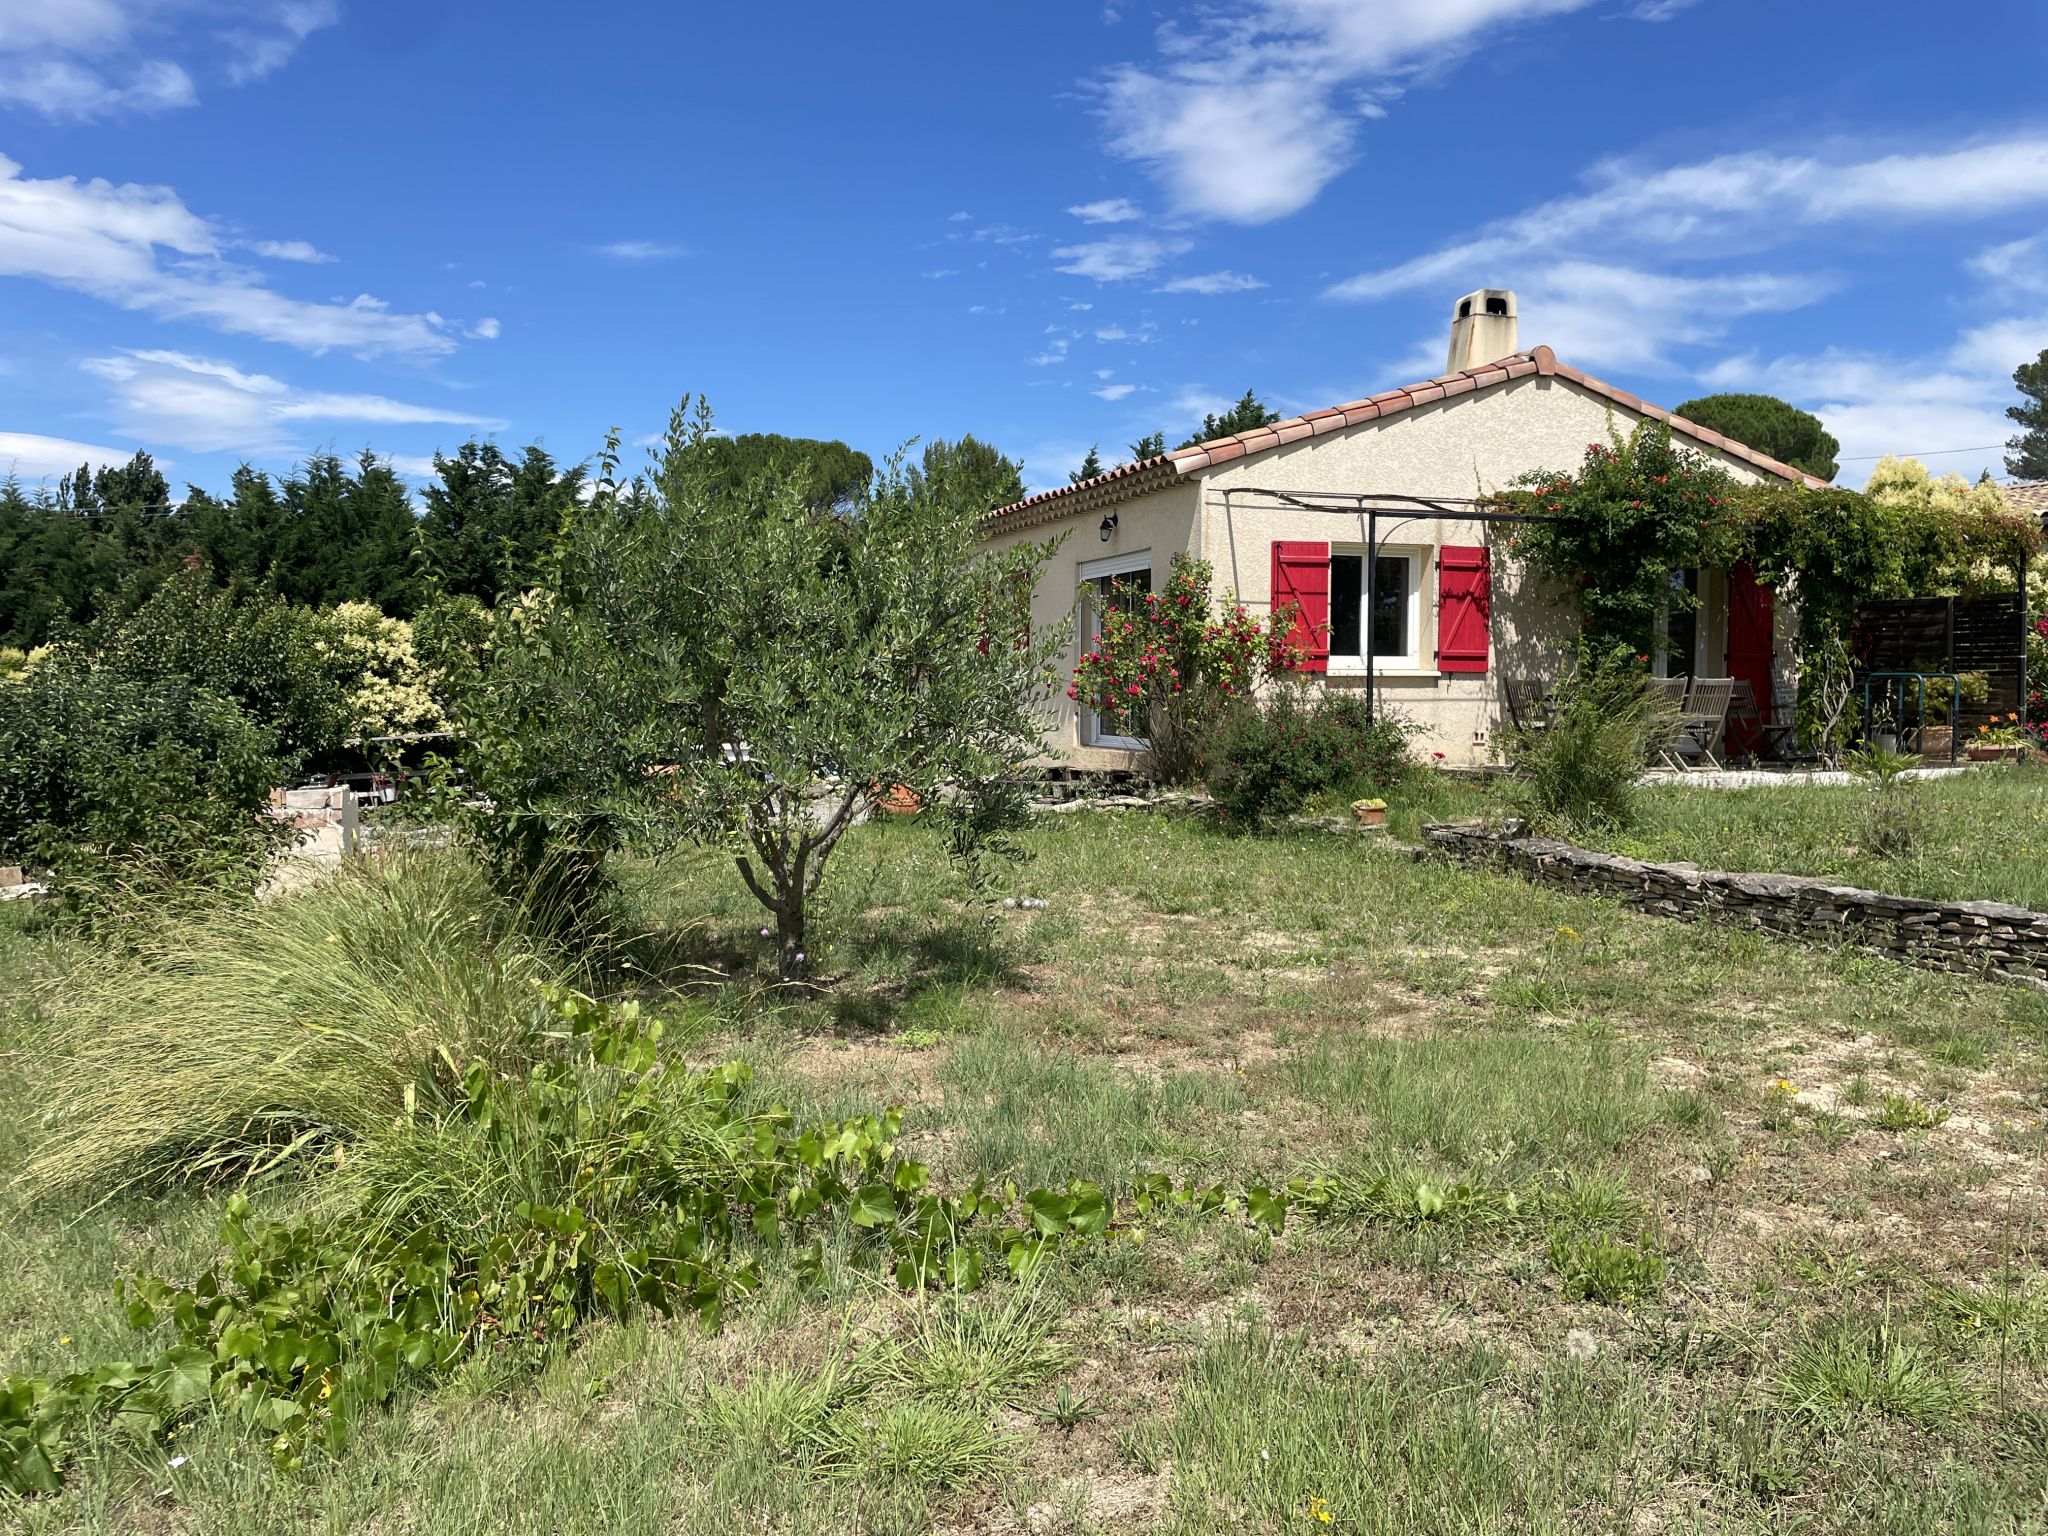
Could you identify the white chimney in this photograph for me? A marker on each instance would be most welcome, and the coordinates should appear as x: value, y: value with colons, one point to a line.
x: 1482, y: 329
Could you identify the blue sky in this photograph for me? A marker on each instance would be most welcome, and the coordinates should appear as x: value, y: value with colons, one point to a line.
x: 250, y: 229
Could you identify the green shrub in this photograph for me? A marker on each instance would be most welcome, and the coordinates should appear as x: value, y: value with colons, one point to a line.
x: 1266, y: 759
x: 109, y: 778
x: 1579, y: 772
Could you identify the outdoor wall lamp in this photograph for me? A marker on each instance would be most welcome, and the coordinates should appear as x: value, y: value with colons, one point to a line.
x: 1108, y: 527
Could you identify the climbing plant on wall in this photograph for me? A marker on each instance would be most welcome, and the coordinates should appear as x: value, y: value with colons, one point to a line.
x: 1639, y: 508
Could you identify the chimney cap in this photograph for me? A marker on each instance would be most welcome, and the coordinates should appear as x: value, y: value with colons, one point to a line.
x: 1483, y: 329
x: 1498, y: 302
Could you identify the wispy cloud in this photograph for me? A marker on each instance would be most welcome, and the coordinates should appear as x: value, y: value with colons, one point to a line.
x: 1111, y: 210
x: 1660, y: 10
x: 104, y: 240
x: 1110, y: 261
x: 291, y: 250
x: 1112, y: 391
x: 642, y: 250
x: 2021, y: 264
x: 1733, y: 203
x: 486, y: 329
x: 1212, y: 282
x: 204, y: 405
x: 30, y: 457
x: 76, y: 60
x: 1252, y: 113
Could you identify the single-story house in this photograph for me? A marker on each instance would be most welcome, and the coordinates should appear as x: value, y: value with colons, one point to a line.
x: 1282, y: 510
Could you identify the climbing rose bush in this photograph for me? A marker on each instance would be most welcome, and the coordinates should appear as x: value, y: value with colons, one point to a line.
x: 1165, y: 664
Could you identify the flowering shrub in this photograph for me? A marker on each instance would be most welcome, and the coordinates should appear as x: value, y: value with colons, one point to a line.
x: 382, y: 675
x: 1266, y: 760
x: 1163, y: 668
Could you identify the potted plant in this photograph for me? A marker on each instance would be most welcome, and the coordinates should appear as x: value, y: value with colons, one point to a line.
x: 1373, y: 813
x: 1998, y: 742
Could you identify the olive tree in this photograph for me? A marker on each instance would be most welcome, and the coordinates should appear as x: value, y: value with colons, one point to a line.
x: 733, y: 665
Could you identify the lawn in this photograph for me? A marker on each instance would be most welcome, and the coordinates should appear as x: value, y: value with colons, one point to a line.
x: 1979, y: 836
x: 1633, y: 1226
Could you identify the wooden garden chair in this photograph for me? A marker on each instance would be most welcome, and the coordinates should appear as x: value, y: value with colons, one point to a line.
x: 1524, y: 697
x: 1667, y: 701
x: 1704, y: 720
x: 1764, y: 738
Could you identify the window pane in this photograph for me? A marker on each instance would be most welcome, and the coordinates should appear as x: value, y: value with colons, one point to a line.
x: 1681, y: 633
x: 1390, y: 606
x: 1347, y: 598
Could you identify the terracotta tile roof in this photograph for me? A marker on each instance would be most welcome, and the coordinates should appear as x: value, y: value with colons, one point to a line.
x: 2027, y: 496
x: 1151, y: 474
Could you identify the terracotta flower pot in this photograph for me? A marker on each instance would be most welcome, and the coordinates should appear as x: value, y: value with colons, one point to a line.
x: 901, y: 801
x: 1372, y: 812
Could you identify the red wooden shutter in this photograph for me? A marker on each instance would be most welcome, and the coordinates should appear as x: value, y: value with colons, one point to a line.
x: 1464, y: 603
x: 1301, y: 577
x: 1751, y: 626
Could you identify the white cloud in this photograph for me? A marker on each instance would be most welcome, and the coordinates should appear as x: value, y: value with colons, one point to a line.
x: 960, y: 217
x: 1660, y: 10
x: 486, y: 329
x: 941, y: 272
x: 1241, y: 118
x: 642, y: 250
x: 1732, y: 203
x: 1113, y: 391
x: 103, y: 240
x: 291, y: 250
x: 1112, y: 210
x: 197, y: 403
x: 28, y: 456
x: 83, y: 59
x: 411, y: 466
x: 1109, y: 261
x: 2021, y: 265
x: 1619, y: 317
x: 1212, y: 282
x: 1947, y: 408
x: 1055, y: 352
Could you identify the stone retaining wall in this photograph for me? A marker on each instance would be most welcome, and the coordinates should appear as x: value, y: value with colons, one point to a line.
x: 1977, y: 937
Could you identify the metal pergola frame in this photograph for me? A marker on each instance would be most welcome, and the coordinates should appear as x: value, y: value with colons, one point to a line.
x: 1372, y: 506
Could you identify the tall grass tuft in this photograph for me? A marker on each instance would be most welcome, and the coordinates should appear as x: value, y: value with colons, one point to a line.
x: 260, y: 1035
x: 1578, y: 773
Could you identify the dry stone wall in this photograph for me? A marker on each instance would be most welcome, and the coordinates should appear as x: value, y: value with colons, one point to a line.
x: 1976, y: 937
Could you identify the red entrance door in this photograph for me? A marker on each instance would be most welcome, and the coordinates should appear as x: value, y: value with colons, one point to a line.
x: 1750, y: 625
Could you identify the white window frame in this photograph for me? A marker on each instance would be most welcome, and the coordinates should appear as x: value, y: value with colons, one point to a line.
x: 1092, y: 571
x: 1419, y: 558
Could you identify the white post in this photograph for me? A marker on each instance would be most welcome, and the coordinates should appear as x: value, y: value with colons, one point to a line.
x: 351, y: 824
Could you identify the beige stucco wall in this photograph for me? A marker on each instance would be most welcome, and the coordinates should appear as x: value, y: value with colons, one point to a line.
x: 1465, y: 446
x: 1159, y: 524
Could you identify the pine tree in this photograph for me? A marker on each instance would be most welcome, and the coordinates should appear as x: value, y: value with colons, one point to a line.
x: 1770, y: 426
x: 972, y: 471
x: 1150, y: 446
x: 1248, y: 415
x: 2028, y: 459
x: 1090, y: 466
